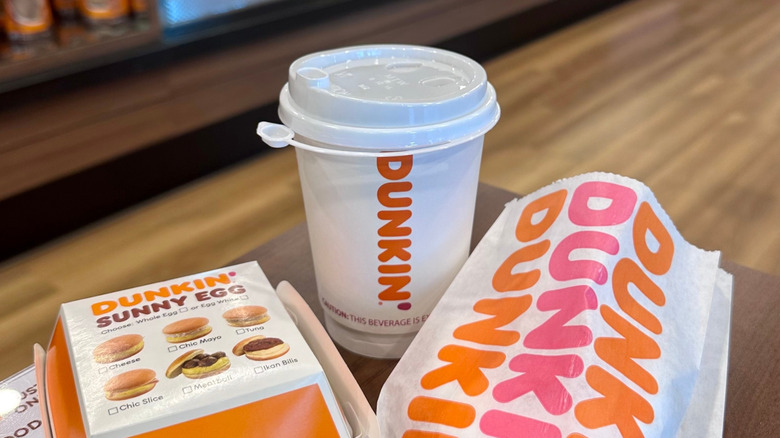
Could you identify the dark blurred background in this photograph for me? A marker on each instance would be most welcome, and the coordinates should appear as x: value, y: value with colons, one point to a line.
x: 107, y: 103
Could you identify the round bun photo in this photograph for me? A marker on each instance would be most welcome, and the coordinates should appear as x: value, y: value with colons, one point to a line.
x: 266, y: 349
x: 186, y: 330
x: 246, y: 316
x: 238, y: 350
x: 203, y: 365
x: 175, y: 368
x: 130, y: 384
x: 118, y: 348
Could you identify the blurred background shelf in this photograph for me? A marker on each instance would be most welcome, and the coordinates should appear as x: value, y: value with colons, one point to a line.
x: 73, y: 46
x: 75, y: 40
x: 87, y: 133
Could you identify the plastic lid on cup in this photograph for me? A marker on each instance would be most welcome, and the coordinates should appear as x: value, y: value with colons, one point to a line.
x: 389, y: 97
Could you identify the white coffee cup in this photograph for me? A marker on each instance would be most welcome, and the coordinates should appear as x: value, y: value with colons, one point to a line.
x: 388, y: 141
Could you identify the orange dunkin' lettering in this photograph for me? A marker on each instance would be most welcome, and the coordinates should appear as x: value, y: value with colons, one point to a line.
x: 464, y: 366
x: 384, y: 191
x: 103, y: 307
x: 394, y: 168
x: 628, y: 272
x: 391, y: 233
x: 504, y: 311
x: 130, y: 302
x: 220, y: 279
x: 395, y: 219
x: 150, y: 295
x: 551, y: 205
x: 620, y: 405
x: 394, y: 285
x: 180, y: 288
x: 658, y: 262
x: 621, y: 352
x: 394, y: 269
x: 504, y: 280
x: 446, y: 412
x: 394, y: 248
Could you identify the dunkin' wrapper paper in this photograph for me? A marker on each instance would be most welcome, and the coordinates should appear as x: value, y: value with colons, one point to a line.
x: 582, y: 313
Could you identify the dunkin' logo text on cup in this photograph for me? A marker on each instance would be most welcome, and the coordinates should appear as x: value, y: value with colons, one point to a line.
x: 394, y: 238
x: 551, y: 356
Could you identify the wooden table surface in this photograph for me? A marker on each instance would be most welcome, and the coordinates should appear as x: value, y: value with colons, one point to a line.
x: 682, y: 95
x: 752, y: 401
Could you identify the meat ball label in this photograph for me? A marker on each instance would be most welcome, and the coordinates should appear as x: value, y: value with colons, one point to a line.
x: 174, y: 318
x: 208, y: 384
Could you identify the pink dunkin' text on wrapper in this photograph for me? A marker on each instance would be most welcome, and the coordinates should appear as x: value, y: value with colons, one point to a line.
x: 394, y: 237
x: 544, y: 357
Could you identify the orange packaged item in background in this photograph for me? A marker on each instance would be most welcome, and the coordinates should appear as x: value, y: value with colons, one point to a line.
x: 105, y: 11
x: 65, y: 8
x: 140, y: 7
x: 27, y: 19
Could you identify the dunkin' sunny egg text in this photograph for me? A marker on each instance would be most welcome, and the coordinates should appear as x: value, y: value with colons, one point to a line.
x: 165, y: 300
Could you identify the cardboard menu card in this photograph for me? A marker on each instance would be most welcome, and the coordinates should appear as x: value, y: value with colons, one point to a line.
x: 581, y: 313
x: 211, y: 354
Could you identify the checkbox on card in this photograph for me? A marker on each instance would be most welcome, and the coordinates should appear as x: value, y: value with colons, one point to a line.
x: 187, y: 389
x: 240, y: 331
x: 113, y: 411
x: 172, y: 348
x: 103, y: 370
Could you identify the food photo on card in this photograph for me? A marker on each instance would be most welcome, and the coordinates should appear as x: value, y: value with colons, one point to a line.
x: 582, y: 313
x: 209, y: 354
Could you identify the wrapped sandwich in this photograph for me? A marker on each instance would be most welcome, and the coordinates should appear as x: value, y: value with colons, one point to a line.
x: 582, y: 313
